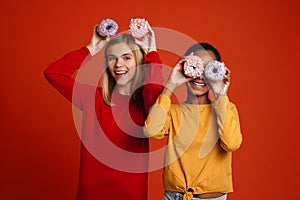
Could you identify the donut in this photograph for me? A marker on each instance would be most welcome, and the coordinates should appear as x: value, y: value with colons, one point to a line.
x: 193, y: 66
x: 138, y: 27
x: 107, y: 27
x: 215, y: 70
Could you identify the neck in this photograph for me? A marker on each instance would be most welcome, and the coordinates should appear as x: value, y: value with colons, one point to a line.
x: 123, y: 89
x: 202, y: 99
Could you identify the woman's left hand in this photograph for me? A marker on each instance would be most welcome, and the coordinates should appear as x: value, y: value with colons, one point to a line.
x: 219, y: 88
x: 147, y: 42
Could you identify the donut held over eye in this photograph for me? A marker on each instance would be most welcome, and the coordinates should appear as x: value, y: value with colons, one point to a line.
x: 193, y: 66
x: 215, y: 70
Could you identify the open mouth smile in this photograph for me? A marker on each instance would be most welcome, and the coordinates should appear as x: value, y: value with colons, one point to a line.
x: 201, y: 84
x: 121, y: 72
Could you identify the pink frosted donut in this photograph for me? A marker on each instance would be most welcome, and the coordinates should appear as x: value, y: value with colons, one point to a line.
x: 138, y: 27
x: 193, y: 66
x: 107, y: 27
x: 215, y: 70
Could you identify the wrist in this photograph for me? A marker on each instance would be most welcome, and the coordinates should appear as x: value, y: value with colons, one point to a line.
x: 152, y: 49
x: 217, y: 95
x: 171, y: 86
x: 91, y: 49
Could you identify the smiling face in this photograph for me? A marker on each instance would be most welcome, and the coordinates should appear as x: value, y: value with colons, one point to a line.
x: 121, y: 64
x: 198, y: 86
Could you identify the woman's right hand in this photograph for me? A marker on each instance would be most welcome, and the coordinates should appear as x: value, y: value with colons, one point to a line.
x: 97, y: 42
x: 176, y: 77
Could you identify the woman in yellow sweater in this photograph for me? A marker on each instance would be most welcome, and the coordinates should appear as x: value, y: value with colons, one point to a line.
x: 202, y: 132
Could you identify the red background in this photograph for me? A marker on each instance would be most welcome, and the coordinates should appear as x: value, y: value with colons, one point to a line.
x: 259, y: 40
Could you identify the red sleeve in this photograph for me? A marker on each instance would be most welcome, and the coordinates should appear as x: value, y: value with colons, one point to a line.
x: 59, y: 73
x: 153, y: 84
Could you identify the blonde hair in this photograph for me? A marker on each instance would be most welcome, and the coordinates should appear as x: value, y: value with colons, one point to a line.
x: 108, y: 82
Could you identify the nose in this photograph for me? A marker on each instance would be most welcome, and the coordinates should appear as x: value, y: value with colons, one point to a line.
x: 201, y: 77
x: 118, y: 62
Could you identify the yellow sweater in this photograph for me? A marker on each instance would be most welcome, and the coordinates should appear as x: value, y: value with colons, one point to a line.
x: 200, y: 144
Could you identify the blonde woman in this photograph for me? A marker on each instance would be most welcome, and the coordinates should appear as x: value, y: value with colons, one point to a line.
x: 119, y: 107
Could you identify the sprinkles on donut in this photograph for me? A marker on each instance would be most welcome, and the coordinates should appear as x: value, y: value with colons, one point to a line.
x: 193, y: 66
x: 215, y: 70
x: 107, y: 27
x: 138, y: 27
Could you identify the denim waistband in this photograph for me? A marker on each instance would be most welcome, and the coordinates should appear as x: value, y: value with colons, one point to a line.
x: 169, y: 195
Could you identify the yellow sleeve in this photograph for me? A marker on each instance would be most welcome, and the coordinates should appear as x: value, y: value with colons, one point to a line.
x: 228, y: 124
x: 158, y: 121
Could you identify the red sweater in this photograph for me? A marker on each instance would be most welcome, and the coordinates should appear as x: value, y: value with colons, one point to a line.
x: 112, y: 164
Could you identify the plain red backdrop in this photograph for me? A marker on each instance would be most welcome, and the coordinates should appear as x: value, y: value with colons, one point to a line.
x: 259, y: 40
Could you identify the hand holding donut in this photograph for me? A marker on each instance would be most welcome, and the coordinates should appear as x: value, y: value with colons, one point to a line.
x: 176, y: 77
x: 193, y: 66
x: 143, y: 33
x: 217, y: 77
x: 97, y: 42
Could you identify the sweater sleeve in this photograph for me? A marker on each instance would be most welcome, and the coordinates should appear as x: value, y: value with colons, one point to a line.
x: 158, y: 121
x: 228, y: 124
x: 153, y: 84
x: 59, y: 73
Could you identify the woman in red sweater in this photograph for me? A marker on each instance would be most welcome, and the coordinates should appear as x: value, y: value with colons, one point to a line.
x: 114, y: 159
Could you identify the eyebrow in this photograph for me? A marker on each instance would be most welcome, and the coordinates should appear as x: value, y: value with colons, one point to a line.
x: 125, y: 54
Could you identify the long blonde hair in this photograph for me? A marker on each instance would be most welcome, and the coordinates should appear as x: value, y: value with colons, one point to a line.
x: 108, y: 82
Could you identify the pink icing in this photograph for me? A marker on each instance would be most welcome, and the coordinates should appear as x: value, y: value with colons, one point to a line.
x: 138, y: 27
x: 193, y: 66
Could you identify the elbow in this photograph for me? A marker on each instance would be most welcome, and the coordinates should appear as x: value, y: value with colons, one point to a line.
x: 50, y: 74
x: 47, y: 73
x: 231, y: 145
x: 152, y: 133
x: 148, y: 132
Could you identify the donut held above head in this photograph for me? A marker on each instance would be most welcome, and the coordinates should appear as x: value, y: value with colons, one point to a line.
x: 138, y: 27
x: 215, y: 70
x: 193, y: 66
x: 107, y: 27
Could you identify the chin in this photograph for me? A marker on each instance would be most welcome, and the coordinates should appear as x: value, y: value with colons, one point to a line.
x: 198, y: 92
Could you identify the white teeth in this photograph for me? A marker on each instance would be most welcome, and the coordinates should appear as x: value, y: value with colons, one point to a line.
x: 199, y: 84
x: 120, y: 72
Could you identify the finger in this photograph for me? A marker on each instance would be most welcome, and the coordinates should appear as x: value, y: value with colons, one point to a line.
x: 228, y: 71
x: 128, y: 31
x: 188, y: 79
x: 187, y: 56
x: 137, y: 41
x: 150, y: 28
x: 182, y: 60
x: 226, y: 79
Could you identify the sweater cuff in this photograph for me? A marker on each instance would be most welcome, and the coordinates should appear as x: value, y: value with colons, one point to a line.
x: 152, y: 57
x: 86, y: 50
x: 222, y: 100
